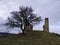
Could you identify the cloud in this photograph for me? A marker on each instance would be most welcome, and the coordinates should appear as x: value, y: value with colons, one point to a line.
x: 47, y: 8
x: 44, y: 8
x: 7, y: 6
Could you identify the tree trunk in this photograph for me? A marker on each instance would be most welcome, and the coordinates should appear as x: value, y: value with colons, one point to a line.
x: 22, y: 30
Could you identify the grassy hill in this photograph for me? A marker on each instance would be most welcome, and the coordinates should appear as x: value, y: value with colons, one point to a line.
x: 31, y: 38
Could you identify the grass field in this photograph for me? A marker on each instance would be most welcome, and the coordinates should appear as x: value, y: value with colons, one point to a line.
x: 31, y: 38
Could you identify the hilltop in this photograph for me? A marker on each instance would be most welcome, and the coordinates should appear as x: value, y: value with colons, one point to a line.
x: 31, y: 38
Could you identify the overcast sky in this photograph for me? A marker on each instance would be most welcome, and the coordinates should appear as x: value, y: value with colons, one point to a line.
x: 43, y: 8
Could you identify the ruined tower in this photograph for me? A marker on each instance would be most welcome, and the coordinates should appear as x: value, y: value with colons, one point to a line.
x: 46, y: 25
x: 28, y: 28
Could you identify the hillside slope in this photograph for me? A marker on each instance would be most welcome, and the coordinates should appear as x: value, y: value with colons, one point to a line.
x: 31, y: 38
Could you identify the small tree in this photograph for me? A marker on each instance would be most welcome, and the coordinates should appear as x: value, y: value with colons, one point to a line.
x: 23, y: 18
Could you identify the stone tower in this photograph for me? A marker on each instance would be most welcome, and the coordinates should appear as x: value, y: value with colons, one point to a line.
x: 28, y: 28
x: 46, y: 25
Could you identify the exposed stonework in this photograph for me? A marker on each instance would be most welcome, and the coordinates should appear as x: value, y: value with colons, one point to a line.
x: 46, y: 25
x: 28, y: 28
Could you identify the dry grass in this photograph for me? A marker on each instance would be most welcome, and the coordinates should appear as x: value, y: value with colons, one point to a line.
x: 31, y: 38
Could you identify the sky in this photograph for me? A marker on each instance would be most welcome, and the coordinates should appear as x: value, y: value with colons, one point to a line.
x: 43, y: 8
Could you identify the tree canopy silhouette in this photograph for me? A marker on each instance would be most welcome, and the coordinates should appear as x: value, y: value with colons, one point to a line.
x: 22, y: 18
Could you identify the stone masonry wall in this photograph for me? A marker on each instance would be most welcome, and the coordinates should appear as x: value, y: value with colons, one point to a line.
x: 46, y: 25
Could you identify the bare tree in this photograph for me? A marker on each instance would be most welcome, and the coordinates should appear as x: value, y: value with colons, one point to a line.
x: 23, y: 17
